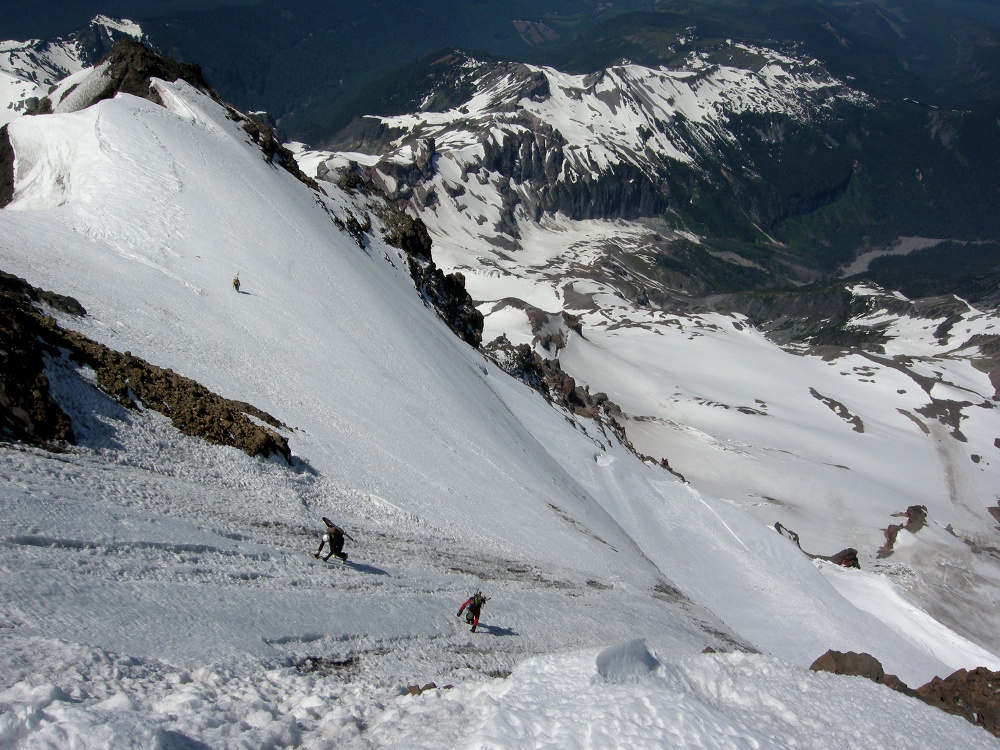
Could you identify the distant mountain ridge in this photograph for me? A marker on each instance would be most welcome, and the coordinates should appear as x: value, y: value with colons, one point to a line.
x: 181, y: 559
x: 627, y: 142
x: 28, y: 69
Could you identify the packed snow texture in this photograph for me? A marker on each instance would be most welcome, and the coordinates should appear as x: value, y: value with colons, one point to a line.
x: 157, y: 591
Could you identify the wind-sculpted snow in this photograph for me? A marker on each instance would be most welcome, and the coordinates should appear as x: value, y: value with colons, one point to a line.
x: 156, y: 589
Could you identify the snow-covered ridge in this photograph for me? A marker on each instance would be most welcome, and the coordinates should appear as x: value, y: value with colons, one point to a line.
x: 28, y: 69
x: 627, y: 113
x: 533, y: 142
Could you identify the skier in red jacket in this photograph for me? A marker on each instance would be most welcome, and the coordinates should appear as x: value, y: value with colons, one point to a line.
x: 475, y: 604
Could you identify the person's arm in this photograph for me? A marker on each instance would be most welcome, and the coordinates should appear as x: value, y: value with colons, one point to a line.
x: 462, y: 608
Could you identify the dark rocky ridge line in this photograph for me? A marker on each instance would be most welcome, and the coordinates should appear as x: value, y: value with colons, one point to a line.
x: 974, y: 695
x: 29, y: 414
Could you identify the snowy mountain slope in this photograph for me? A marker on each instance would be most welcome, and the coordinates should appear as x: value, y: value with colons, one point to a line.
x: 834, y: 444
x: 529, y: 141
x: 158, y: 589
x: 28, y: 69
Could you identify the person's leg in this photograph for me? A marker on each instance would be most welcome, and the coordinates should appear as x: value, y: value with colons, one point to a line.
x: 338, y: 549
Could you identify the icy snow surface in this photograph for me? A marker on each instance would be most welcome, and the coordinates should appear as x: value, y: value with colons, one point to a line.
x: 156, y: 591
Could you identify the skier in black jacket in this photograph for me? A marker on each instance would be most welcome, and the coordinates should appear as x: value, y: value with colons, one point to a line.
x: 334, y: 535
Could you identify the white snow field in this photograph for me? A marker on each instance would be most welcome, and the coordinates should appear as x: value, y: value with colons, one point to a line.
x: 158, y: 591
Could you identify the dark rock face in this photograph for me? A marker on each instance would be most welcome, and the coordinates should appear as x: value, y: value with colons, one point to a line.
x: 447, y: 294
x: 193, y: 409
x: 27, y: 411
x: 96, y: 40
x: 130, y: 66
x: 408, y: 234
x: 6, y: 168
x: 847, y: 558
x: 548, y: 378
x: 274, y: 151
x: 130, y: 69
x: 975, y: 696
x: 29, y: 414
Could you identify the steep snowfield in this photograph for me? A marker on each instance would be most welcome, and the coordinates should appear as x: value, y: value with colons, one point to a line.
x: 158, y: 591
x: 832, y: 444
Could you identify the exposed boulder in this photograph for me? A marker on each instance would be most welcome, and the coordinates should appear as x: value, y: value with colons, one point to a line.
x: 847, y: 558
x: 975, y: 696
x: 28, y: 412
x: 850, y: 663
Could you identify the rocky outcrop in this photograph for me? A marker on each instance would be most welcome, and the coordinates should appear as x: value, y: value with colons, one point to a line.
x: 847, y: 558
x: 28, y: 412
x: 916, y: 519
x: 192, y: 408
x: 130, y: 67
x: 6, y: 168
x: 407, y: 233
x: 850, y: 663
x: 446, y: 293
x: 275, y: 152
x: 974, y: 695
x: 548, y: 378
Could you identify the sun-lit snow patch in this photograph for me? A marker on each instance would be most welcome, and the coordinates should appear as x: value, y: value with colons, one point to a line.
x: 877, y: 594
